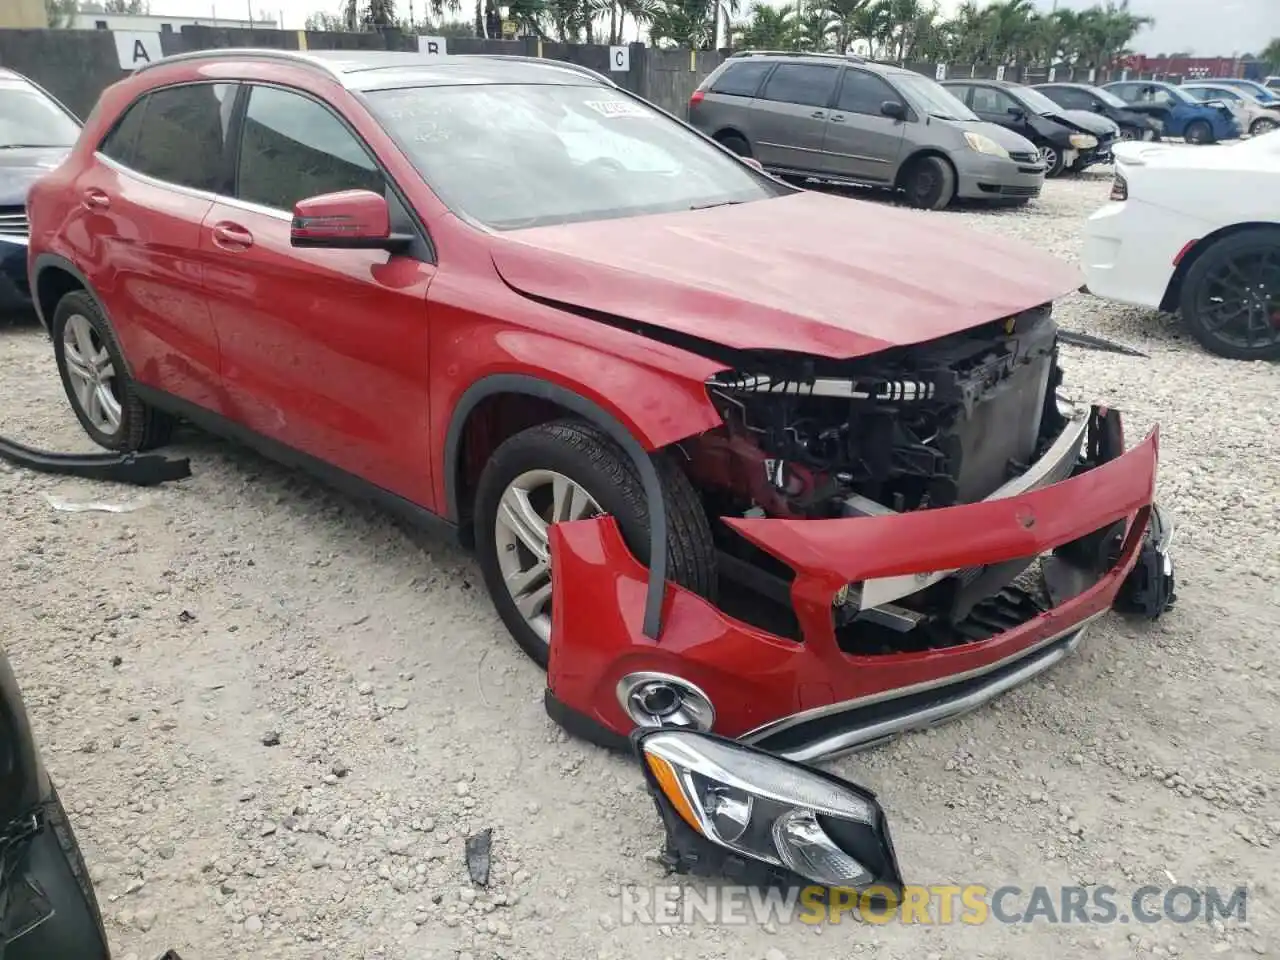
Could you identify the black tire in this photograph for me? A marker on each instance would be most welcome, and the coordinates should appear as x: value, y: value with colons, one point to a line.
x: 1199, y: 131
x: 76, y: 929
x: 1130, y: 133
x: 1054, y: 160
x: 1262, y: 125
x: 141, y: 426
x: 735, y: 143
x: 1199, y: 286
x: 589, y: 457
x: 929, y: 183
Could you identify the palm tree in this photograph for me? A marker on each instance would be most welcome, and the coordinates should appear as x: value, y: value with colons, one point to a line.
x: 767, y: 28
x: 1271, y: 54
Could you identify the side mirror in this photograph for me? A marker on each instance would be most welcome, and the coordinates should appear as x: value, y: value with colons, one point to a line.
x: 894, y: 109
x: 1099, y: 107
x: 1016, y: 112
x: 347, y: 220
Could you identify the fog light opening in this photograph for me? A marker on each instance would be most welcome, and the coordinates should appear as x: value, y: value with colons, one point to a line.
x: 661, y: 700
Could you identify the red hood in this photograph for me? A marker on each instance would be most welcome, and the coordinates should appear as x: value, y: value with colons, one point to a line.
x: 808, y: 273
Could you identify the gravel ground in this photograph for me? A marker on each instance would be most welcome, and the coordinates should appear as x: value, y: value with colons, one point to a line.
x: 164, y: 651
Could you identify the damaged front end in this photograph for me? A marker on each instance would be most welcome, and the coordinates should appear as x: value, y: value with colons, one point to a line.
x: 901, y: 537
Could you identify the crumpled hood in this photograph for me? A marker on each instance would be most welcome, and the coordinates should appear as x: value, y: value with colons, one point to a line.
x: 21, y: 167
x: 1093, y: 123
x: 807, y: 272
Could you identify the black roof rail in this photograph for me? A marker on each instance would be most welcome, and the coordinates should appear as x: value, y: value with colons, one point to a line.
x: 852, y: 57
x: 245, y: 53
x: 546, y: 62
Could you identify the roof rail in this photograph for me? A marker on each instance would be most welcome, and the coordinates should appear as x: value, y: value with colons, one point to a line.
x: 852, y: 57
x: 547, y: 62
x: 245, y: 53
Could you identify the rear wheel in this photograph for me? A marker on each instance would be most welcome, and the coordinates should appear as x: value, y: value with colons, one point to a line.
x: 1199, y: 131
x: 564, y: 471
x: 929, y: 183
x: 102, y: 393
x: 734, y: 142
x: 1231, y: 296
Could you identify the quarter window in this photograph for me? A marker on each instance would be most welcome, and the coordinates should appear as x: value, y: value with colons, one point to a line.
x: 862, y: 92
x: 802, y: 83
x: 292, y: 147
x: 742, y: 79
x: 182, y: 135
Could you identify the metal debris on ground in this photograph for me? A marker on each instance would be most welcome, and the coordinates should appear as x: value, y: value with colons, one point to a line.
x: 93, y: 506
x: 1089, y: 342
x: 142, y: 470
x: 478, y: 856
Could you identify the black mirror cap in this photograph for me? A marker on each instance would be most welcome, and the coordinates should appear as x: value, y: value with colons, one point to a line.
x: 688, y: 852
x: 894, y: 109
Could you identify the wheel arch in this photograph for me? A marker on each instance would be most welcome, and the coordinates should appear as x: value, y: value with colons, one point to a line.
x: 732, y: 131
x: 1173, y: 292
x: 496, y: 387
x: 918, y: 155
x: 53, y: 277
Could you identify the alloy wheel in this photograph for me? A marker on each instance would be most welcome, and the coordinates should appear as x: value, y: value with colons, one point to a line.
x: 1239, y: 301
x: 1049, y: 156
x: 1264, y: 125
x: 530, y: 504
x: 92, y: 374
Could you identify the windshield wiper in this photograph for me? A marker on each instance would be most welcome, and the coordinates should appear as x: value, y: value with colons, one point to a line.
x: 714, y: 203
x: 943, y: 116
x: 30, y: 146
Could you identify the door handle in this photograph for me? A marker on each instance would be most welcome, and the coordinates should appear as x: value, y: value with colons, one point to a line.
x: 837, y: 118
x: 95, y: 199
x: 818, y: 114
x: 231, y: 235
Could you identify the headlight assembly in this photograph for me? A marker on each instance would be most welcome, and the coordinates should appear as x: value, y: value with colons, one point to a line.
x: 735, y: 810
x: 1083, y: 141
x: 984, y: 144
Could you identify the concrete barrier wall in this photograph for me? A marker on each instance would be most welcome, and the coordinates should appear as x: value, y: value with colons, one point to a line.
x: 76, y: 65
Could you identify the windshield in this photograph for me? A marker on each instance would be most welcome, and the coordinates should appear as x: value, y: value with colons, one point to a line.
x: 1176, y: 92
x: 1256, y: 90
x: 1212, y: 93
x: 30, y: 119
x: 526, y: 155
x: 1036, y: 100
x: 931, y: 97
x: 1109, y: 98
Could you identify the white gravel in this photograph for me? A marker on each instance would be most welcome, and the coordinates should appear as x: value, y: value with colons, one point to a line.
x: 161, y: 649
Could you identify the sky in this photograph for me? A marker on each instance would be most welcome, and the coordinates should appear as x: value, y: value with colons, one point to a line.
x: 1205, y: 27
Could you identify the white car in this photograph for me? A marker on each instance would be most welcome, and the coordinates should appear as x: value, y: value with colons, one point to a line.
x: 1254, y: 117
x: 1195, y: 230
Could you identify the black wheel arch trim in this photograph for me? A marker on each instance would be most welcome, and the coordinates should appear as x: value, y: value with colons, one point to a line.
x: 590, y: 410
x: 46, y: 261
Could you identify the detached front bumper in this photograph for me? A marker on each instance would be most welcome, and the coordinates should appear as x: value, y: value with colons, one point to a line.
x: 810, y: 699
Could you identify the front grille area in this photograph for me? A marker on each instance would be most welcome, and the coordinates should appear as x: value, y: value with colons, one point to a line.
x: 1023, y: 157
x: 13, y: 222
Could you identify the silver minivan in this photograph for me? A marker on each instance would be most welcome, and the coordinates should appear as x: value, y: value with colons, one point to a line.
x: 850, y: 120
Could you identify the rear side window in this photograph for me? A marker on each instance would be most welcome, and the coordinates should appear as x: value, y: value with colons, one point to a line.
x: 119, y: 143
x: 1127, y: 92
x: 1069, y: 98
x: 808, y: 84
x: 862, y: 92
x: 181, y: 135
x: 742, y: 79
x: 293, y: 147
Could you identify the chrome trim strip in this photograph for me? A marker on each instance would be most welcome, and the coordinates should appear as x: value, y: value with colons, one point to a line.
x: 1042, y: 473
x: 855, y: 156
x: 786, y: 146
x: 786, y: 723
x: 860, y: 738
x: 198, y: 194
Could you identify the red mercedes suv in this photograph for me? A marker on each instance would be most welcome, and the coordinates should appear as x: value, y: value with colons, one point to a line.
x: 793, y: 467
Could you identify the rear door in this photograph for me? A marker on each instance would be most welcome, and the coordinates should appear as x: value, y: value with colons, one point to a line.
x: 138, y: 229
x: 789, y: 116
x: 323, y: 351
x: 861, y: 142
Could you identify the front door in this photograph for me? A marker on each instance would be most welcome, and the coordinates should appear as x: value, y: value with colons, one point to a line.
x: 997, y: 106
x: 789, y: 116
x: 861, y: 142
x: 324, y: 351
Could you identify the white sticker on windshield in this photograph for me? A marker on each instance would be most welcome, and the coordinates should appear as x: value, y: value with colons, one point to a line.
x: 617, y: 108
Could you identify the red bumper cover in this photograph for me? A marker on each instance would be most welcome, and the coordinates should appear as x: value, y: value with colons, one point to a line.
x: 757, y: 681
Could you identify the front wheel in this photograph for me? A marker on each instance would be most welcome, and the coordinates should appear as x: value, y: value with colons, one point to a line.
x: 1231, y: 296
x: 1262, y: 125
x: 930, y: 183
x: 563, y: 471
x: 1199, y: 131
x: 1054, y: 161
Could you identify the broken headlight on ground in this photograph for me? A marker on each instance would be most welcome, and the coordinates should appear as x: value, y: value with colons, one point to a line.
x: 735, y: 811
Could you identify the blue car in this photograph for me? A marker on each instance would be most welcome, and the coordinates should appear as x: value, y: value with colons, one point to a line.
x: 36, y: 133
x: 1178, y: 113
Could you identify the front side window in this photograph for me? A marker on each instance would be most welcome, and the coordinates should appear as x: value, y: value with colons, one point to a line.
x: 30, y: 119
x: 293, y: 147
x: 935, y: 100
x: 801, y: 83
x: 524, y: 155
x: 181, y: 136
x: 1127, y: 92
x: 742, y: 79
x: 862, y: 92
x: 991, y: 100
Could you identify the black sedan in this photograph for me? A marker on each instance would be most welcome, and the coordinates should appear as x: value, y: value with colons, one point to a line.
x: 1081, y: 96
x: 1065, y: 141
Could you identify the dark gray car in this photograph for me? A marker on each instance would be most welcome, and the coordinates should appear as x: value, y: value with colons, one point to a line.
x: 849, y: 120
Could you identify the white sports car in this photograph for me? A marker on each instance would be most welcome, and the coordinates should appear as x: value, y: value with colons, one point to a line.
x: 1195, y: 231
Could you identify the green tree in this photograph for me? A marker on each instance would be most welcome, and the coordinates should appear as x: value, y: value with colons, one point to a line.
x: 767, y: 28
x: 1271, y: 53
x: 61, y: 13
